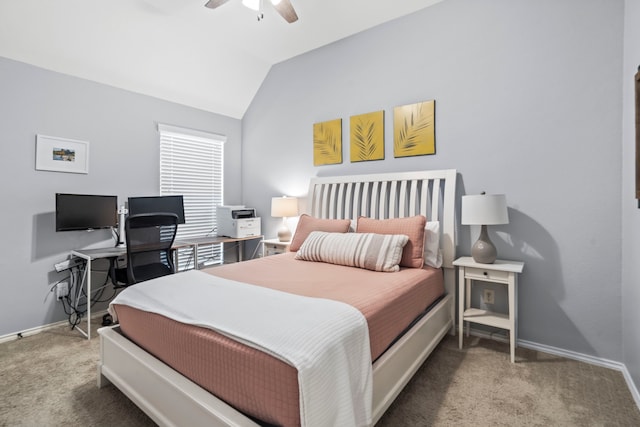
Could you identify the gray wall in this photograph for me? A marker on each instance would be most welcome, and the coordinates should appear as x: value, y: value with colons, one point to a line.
x: 630, y: 207
x: 124, y: 160
x: 527, y: 104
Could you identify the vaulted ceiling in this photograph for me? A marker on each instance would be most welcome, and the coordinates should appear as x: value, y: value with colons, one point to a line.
x: 179, y: 50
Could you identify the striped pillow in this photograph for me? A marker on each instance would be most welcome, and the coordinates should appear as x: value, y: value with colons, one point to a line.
x: 377, y: 252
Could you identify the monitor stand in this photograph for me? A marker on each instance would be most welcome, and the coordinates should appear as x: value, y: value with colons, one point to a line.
x: 122, y: 213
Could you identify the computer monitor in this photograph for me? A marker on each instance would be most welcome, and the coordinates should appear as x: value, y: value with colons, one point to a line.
x: 154, y: 204
x: 85, y: 211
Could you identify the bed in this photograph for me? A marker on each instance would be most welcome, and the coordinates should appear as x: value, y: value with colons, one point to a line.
x: 170, y: 398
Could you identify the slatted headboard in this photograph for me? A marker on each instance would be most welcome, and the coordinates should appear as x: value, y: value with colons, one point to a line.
x: 393, y: 195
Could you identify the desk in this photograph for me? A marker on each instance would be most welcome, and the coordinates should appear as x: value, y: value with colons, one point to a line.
x: 212, y: 240
x: 90, y: 255
x: 180, y: 244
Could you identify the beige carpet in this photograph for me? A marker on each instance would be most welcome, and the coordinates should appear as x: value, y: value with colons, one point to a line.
x: 49, y: 379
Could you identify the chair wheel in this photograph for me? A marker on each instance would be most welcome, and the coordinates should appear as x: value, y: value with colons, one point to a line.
x: 107, y: 320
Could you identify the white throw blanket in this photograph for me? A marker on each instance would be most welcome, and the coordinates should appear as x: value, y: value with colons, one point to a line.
x: 326, y: 341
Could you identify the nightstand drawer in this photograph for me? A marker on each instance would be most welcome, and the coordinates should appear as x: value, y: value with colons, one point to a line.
x: 275, y: 248
x: 486, y: 274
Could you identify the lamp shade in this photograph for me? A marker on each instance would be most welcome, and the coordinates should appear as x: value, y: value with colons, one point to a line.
x: 252, y: 4
x: 484, y: 209
x: 284, y: 207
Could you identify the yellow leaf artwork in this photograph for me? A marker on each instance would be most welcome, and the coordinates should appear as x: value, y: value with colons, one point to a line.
x: 367, y: 137
x: 414, y: 129
x: 327, y: 142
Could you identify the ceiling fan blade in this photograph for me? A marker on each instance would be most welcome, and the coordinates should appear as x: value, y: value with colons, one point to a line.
x: 285, y: 9
x: 212, y: 4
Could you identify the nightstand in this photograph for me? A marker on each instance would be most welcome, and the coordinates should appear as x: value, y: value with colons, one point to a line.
x: 274, y: 247
x: 503, y: 272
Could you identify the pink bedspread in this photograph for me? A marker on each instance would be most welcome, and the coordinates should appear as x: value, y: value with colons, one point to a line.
x: 389, y: 301
x: 254, y: 382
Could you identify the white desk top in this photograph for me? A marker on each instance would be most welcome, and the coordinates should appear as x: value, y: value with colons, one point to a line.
x: 112, y: 252
x: 101, y: 252
x: 208, y: 240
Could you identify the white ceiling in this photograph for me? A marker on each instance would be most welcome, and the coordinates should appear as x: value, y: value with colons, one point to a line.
x: 179, y: 50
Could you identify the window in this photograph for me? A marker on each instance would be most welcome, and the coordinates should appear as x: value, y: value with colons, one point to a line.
x: 191, y: 164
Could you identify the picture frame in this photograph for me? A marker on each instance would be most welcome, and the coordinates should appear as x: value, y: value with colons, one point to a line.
x: 637, y: 96
x: 414, y: 129
x: 327, y: 143
x: 61, y: 154
x: 367, y: 137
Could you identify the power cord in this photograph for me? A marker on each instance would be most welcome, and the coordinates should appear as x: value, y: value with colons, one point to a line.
x: 76, y: 302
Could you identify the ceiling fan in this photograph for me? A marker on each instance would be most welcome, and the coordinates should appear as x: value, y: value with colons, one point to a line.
x: 283, y: 7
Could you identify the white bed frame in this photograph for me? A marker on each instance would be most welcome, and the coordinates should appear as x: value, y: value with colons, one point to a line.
x: 170, y: 399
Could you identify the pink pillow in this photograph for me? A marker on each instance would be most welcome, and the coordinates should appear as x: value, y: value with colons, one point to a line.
x: 413, y: 227
x: 307, y: 224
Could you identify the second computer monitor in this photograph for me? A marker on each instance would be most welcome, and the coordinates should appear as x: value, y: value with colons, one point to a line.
x: 155, y: 204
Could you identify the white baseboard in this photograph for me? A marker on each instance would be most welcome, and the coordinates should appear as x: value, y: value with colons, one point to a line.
x: 32, y: 331
x: 38, y: 329
x: 632, y: 387
x: 597, y: 361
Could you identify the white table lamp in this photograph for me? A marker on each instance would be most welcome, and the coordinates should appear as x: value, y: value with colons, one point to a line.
x: 484, y: 209
x: 283, y: 207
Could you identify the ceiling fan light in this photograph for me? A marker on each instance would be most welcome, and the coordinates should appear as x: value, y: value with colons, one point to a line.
x: 275, y: 2
x: 252, y: 4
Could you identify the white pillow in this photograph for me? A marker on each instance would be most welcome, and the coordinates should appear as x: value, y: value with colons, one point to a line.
x: 377, y: 252
x: 432, y: 253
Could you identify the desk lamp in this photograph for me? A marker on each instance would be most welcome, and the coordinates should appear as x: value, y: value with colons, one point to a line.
x: 283, y: 207
x: 484, y: 209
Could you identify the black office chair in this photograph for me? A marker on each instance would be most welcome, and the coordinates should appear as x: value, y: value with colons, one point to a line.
x: 149, y: 239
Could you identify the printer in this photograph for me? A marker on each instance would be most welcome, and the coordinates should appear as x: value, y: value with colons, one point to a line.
x: 237, y: 221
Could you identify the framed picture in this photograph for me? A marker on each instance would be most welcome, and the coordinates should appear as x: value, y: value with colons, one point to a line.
x: 327, y: 143
x: 637, y: 86
x: 414, y: 129
x: 367, y: 137
x: 61, y: 155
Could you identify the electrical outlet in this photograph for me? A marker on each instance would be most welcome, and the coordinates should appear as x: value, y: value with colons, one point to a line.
x: 62, y: 290
x: 488, y: 296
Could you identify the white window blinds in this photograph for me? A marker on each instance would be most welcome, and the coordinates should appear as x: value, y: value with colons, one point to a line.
x: 192, y: 164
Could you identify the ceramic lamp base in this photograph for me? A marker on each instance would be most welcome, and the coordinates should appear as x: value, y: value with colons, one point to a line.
x: 483, y: 251
x: 284, y: 234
